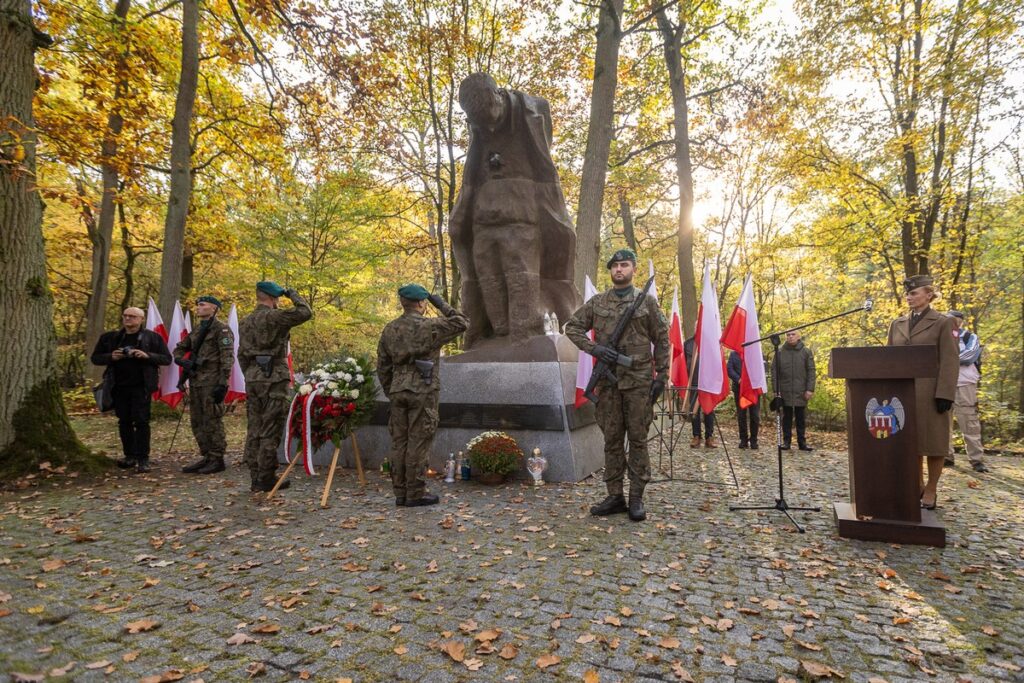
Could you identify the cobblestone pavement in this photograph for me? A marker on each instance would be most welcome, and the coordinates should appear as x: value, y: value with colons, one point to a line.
x: 168, y: 576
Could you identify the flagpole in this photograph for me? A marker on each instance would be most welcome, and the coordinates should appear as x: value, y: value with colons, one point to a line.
x: 868, y: 305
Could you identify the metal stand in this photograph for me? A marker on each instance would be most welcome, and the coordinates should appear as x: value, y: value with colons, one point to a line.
x: 780, y: 503
x: 668, y: 439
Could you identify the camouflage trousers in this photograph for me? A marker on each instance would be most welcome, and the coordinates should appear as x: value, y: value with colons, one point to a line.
x: 621, y: 412
x: 207, y: 420
x: 412, y: 425
x: 266, y: 410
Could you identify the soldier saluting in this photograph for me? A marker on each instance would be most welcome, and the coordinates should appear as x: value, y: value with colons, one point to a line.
x: 263, y: 356
x: 206, y: 356
x: 625, y: 406
x: 407, y: 361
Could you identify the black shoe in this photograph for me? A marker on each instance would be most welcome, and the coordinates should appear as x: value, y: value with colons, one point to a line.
x: 196, y: 466
x: 258, y: 486
x: 979, y: 467
x: 142, y: 466
x: 399, y: 502
x: 126, y: 463
x: 609, y: 506
x: 805, y: 447
x: 744, y: 444
x: 425, y: 499
x: 785, y: 446
x: 636, y: 509
x: 213, y: 466
x: 753, y: 445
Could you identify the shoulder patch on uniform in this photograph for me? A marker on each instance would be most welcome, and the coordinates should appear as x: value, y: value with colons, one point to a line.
x: 226, y: 341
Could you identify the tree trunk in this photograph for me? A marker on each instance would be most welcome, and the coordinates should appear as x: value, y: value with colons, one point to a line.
x: 628, y: 230
x: 129, y: 259
x: 33, y: 423
x: 684, y: 169
x: 181, y: 161
x: 599, y: 140
x: 101, y: 238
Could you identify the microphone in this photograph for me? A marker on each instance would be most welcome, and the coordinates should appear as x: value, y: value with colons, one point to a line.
x: 868, y: 305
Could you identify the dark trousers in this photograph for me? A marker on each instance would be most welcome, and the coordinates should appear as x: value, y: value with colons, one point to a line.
x: 751, y: 414
x: 801, y: 424
x: 132, y: 406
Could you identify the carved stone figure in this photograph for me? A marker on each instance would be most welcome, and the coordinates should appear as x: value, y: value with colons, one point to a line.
x: 511, y: 233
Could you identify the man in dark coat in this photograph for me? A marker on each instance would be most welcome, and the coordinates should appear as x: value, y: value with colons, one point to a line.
x: 133, y: 355
x: 794, y: 380
x: 510, y: 231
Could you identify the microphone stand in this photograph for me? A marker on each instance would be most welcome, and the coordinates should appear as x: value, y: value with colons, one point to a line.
x: 780, y: 503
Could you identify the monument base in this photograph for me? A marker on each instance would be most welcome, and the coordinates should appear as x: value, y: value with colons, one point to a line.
x: 929, y: 531
x: 531, y: 400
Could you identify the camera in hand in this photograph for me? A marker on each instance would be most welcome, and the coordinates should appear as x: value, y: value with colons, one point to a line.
x: 126, y: 349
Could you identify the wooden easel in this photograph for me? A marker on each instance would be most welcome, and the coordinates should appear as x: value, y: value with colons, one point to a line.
x: 330, y: 472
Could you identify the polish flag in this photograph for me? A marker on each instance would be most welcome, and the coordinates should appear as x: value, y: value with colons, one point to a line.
x: 585, y: 366
x: 291, y: 364
x: 188, y: 322
x: 654, y: 285
x: 236, y: 384
x: 742, y: 327
x: 154, y: 321
x: 679, y: 375
x: 713, y: 382
x: 169, y: 374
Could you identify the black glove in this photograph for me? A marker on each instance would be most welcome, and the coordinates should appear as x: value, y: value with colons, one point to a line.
x: 605, y: 353
x: 219, y: 392
x: 657, y: 387
x: 437, y: 301
x: 776, y: 404
x: 943, y: 405
x: 291, y: 293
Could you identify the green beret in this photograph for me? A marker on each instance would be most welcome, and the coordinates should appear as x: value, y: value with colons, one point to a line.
x: 413, y: 292
x: 917, y: 281
x: 622, y: 255
x: 210, y: 300
x: 269, y: 287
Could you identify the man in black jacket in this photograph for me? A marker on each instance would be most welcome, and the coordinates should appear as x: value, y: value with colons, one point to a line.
x: 133, y: 354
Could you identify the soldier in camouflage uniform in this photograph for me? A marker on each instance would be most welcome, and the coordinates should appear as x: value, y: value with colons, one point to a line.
x: 263, y: 357
x: 414, y: 398
x: 209, y: 352
x: 625, y: 407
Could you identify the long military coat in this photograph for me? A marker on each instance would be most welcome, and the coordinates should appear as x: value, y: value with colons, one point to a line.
x: 933, y: 329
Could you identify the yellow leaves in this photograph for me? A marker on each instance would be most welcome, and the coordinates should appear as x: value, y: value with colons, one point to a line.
x: 818, y: 670
x: 591, y: 676
x: 141, y: 625
x: 669, y: 643
x: 586, y: 638
x: 266, y: 628
x: 401, y: 650
x: 808, y: 646
x: 241, y: 638
x: 613, y: 620
x: 680, y: 672
x: 454, y: 649
x: 548, y: 660
x: 952, y: 589
x: 989, y: 631
x: 488, y: 635
x: 53, y: 565
x: 150, y: 582
x: 729, y: 661
x: 509, y: 651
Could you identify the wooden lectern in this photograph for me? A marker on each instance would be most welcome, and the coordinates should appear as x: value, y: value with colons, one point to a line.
x: 881, y: 427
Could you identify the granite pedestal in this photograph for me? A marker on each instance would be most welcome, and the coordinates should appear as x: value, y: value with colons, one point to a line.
x: 527, y: 390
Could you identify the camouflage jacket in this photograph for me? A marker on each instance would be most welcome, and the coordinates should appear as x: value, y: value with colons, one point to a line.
x: 648, y: 326
x: 414, y: 337
x: 216, y: 355
x: 265, y: 332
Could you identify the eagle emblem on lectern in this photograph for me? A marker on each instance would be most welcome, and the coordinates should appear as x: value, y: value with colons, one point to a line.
x: 885, y: 418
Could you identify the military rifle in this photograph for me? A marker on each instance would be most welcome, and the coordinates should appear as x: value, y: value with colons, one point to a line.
x: 190, y: 364
x: 603, y: 369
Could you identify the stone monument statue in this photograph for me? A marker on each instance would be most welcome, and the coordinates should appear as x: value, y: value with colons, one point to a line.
x: 510, y: 231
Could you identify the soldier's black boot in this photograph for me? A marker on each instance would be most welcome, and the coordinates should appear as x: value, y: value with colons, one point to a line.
x: 425, y: 499
x: 196, y: 466
x: 126, y: 463
x: 611, y: 505
x: 212, y: 466
x: 142, y: 466
x: 636, y: 507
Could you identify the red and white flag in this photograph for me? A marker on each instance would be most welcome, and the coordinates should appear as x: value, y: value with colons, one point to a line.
x: 712, y: 380
x: 188, y: 322
x: 741, y: 328
x: 169, y: 374
x: 654, y: 285
x: 679, y: 374
x: 585, y: 366
x: 236, y: 383
x: 291, y: 365
x: 154, y: 321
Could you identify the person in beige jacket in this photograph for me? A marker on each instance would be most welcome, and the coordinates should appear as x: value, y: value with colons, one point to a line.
x: 934, y: 395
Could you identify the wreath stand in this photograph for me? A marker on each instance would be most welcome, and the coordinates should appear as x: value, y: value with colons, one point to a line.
x: 330, y: 473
